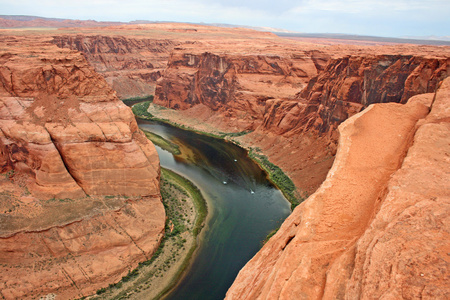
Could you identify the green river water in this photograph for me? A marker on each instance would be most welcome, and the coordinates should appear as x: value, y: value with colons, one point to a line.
x: 243, y: 207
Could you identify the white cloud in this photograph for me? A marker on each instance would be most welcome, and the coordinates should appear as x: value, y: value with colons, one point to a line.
x: 357, y: 6
x: 389, y: 17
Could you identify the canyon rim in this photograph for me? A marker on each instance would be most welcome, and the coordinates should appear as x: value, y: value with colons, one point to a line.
x: 362, y: 129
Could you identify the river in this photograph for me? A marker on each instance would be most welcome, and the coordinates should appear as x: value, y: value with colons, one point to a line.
x: 243, y: 207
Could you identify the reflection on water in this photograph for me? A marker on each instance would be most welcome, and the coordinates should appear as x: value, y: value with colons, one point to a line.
x: 243, y: 207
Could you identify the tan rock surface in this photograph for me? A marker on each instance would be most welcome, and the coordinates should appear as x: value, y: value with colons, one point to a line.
x: 272, y: 90
x: 378, y: 226
x: 75, y: 259
x: 235, y: 82
x: 131, y: 65
x: 78, y: 132
x: 133, y: 57
x: 292, y: 94
x: 64, y: 135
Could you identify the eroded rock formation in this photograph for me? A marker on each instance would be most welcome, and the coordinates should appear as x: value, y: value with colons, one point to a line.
x: 132, y: 58
x: 294, y: 96
x: 378, y: 226
x: 327, y: 247
x: 60, y: 105
x: 64, y: 136
x: 131, y: 65
x: 349, y: 84
x: 236, y: 84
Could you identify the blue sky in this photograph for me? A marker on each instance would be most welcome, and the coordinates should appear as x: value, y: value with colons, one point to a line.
x: 393, y: 18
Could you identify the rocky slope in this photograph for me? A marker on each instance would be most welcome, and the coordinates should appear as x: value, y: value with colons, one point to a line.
x: 132, y: 57
x: 294, y: 96
x: 237, y: 84
x: 130, y: 65
x: 378, y: 226
x: 351, y: 83
x: 66, y: 142
x: 336, y: 243
x: 333, y: 86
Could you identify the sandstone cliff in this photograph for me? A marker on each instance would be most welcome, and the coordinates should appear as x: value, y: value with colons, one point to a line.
x: 132, y: 57
x: 378, y: 226
x: 294, y: 98
x: 236, y: 84
x: 64, y: 135
x: 349, y: 84
x: 59, y: 109
x: 260, y: 87
x: 131, y: 65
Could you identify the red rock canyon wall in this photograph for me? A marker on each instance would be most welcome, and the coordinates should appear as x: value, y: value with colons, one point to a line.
x: 64, y: 136
x: 293, y: 100
x: 130, y: 65
x: 378, y: 226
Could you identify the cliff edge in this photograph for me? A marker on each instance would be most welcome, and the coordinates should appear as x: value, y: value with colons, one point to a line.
x: 79, y: 191
x: 378, y: 225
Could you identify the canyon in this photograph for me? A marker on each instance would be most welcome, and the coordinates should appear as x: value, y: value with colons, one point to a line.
x: 362, y: 129
x: 378, y: 225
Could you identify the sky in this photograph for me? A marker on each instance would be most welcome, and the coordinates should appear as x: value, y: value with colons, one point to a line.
x: 389, y: 18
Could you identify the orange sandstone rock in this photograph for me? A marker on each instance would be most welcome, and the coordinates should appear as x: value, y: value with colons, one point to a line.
x: 65, y: 135
x: 376, y: 228
x: 131, y: 65
x: 92, y: 142
x: 76, y: 259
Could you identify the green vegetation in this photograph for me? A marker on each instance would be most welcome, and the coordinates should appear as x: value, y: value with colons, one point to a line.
x: 162, y: 142
x: 130, y: 275
x: 101, y: 291
x: 233, y: 134
x: 9, y: 174
x: 140, y: 110
x: 277, y: 177
x: 271, y: 234
x: 174, y: 191
x: 148, y: 98
x: 171, y: 178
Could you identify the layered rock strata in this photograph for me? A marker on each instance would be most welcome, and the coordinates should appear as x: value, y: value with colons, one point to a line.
x: 293, y: 101
x: 75, y: 258
x: 130, y: 65
x: 234, y: 84
x: 349, y: 84
x: 378, y: 226
x: 61, y: 121
x: 132, y: 57
x: 64, y: 135
x: 261, y: 87
x: 294, y: 95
